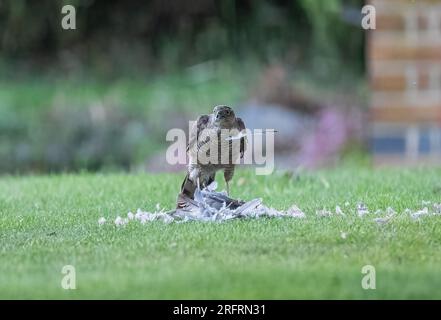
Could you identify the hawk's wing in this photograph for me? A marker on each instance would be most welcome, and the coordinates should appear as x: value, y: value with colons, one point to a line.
x: 201, y: 124
x: 243, y: 141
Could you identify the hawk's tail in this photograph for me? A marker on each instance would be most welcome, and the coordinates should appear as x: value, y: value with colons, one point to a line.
x: 187, y: 191
x: 188, y: 187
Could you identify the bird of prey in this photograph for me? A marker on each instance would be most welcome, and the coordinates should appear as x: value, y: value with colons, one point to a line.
x: 206, y: 136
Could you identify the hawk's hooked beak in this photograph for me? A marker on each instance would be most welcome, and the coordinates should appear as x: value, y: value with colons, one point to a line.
x: 223, y: 114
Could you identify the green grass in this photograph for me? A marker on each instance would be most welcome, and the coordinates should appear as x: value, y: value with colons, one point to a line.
x: 47, y: 222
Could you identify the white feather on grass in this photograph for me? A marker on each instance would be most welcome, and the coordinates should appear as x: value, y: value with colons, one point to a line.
x: 338, y: 211
x: 362, y: 209
x: 209, y: 205
x: 212, y: 206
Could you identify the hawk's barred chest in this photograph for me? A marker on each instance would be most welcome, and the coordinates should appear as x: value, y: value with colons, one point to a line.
x: 214, y: 138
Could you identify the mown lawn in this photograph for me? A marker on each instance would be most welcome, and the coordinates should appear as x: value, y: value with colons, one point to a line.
x: 47, y: 222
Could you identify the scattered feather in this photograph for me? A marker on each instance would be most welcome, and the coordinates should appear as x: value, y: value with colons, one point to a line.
x: 338, y: 211
x: 362, y: 209
x: 138, y: 215
x: 295, y: 212
x: 323, y: 213
x: 120, y: 221
x: 383, y: 220
x: 237, y: 137
x: 211, y: 206
x: 390, y: 211
x: 417, y: 215
x: 101, y: 221
x: 212, y: 186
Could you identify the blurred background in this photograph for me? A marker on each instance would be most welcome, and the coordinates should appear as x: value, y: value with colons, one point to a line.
x: 102, y: 97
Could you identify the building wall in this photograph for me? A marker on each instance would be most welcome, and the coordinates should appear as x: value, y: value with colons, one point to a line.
x: 404, y: 56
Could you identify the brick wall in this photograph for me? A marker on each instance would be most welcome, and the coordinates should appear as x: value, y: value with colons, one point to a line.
x: 404, y: 63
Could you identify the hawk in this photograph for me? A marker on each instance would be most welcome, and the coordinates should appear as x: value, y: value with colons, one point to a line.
x: 212, y: 132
